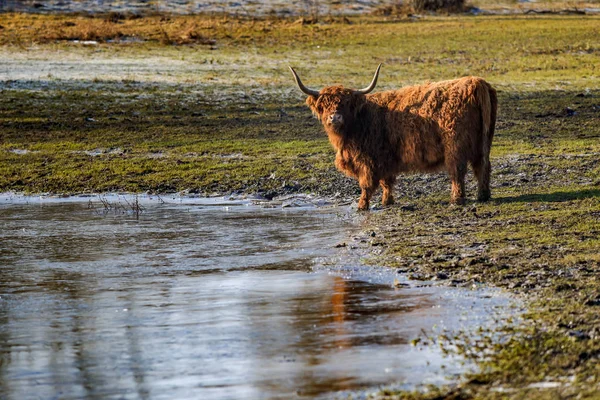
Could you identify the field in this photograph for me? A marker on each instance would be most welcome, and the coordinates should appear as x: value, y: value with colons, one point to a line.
x: 207, y: 105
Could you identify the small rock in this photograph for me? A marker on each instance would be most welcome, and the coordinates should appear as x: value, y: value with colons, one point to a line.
x: 593, y: 302
x: 408, y: 207
x: 269, y: 195
x: 397, y: 284
x: 580, y: 335
x: 513, y: 285
x: 418, y: 277
x: 441, y: 275
x: 337, y: 246
x: 441, y: 258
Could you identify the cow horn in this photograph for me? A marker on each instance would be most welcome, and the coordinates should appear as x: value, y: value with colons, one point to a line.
x: 373, y: 83
x: 306, y: 90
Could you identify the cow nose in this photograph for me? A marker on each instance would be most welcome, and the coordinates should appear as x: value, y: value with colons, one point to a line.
x: 335, y: 119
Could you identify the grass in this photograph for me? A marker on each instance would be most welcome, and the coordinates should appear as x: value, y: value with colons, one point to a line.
x: 228, y: 117
x: 145, y: 145
x: 543, y: 245
x: 207, y: 105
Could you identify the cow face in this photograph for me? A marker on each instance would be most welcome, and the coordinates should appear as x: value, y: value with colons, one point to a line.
x: 336, y: 107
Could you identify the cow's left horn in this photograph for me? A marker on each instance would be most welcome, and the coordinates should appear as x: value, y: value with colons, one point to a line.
x: 373, y: 83
x: 306, y: 90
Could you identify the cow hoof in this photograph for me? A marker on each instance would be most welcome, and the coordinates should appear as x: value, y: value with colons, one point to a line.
x: 483, y: 197
x: 461, y: 201
x: 387, y: 202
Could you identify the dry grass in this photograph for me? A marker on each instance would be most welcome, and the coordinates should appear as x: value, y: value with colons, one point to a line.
x: 22, y: 29
x: 187, y: 33
x: 92, y: 29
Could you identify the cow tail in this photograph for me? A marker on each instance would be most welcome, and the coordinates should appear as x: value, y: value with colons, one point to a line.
x: 493, y: 110
x: 488, y: 104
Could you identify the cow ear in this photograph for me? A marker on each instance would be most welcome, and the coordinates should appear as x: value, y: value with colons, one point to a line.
x: 311, y: 101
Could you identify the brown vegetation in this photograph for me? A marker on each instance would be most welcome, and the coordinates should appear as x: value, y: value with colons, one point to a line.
x: 111, y: 27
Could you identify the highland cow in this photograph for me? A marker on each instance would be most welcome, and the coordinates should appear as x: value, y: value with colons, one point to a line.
x: 426, y: 128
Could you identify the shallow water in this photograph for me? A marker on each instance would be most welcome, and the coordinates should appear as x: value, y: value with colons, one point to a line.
x: 239, y: 7
x: 211, y: 299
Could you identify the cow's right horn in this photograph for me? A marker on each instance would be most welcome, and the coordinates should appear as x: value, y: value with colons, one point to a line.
x: 306, y: 90
x: 373, y: 83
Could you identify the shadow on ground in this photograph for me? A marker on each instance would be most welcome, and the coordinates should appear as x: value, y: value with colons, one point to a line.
x: 554, y: 197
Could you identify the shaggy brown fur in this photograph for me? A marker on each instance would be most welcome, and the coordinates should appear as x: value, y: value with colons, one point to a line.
x: 443, y: 125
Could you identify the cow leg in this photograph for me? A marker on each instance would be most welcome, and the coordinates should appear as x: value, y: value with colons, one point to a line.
x: 481, y: 169
x: 365, y: 197
x: 387, y: 185
x: 368, y: 187
x: 457, y: 176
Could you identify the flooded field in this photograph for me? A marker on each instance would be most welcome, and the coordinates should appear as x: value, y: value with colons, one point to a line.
x: 280, y: 8
x: 204, y: 298
x: 241, y: 7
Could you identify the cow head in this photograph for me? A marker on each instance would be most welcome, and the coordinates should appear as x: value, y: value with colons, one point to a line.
x: 335, y: 106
